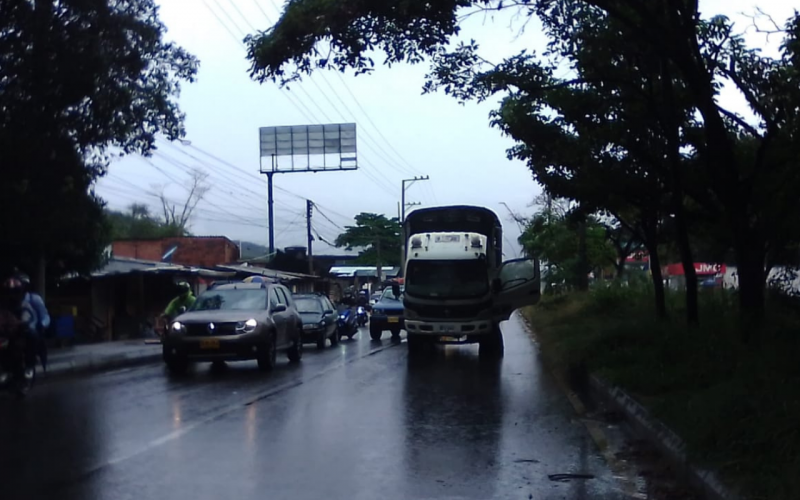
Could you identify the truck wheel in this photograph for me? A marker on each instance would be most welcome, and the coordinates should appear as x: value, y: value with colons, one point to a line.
x: 416, y: 345
x: 375, y: 333
x: 491, y: 346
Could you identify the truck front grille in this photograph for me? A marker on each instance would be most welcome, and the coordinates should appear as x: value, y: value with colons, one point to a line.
x: 450, y: 312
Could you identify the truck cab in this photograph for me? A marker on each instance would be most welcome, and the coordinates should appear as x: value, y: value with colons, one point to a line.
x: 457, y: 289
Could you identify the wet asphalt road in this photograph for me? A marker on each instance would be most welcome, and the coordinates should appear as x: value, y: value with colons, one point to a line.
x: 356, y: 421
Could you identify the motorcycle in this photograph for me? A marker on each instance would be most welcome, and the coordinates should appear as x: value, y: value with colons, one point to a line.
x: 361, y: 316
x: 346, y: 323
x: 12, y: 358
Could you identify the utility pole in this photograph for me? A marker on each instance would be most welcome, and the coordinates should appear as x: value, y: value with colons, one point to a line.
x: 309, y: 212
x: 403, y: 206
x: 403, y: 194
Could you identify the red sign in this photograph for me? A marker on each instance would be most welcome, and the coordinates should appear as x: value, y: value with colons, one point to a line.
x: 701, y: 268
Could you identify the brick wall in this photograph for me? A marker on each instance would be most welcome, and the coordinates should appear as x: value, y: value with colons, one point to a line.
x: 192, y: 251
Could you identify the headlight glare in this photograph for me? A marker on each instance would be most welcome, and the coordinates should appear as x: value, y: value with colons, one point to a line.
x: 247, y: 326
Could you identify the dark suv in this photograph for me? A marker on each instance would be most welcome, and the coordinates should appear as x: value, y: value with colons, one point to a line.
x: 233, y: 322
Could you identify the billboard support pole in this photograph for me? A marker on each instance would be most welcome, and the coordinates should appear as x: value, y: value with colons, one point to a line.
x: 271, y: 210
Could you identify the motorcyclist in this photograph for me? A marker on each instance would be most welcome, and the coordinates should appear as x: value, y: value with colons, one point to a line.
x: 183, y: 301
x: 15, y: 303
x: 42, y: 318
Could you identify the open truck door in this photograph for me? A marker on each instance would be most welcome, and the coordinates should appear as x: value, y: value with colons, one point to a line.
x: 517, y: 285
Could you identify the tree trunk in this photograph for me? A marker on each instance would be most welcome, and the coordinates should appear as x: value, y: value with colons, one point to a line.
x: 672, y: 132
x: 687, y: 260
x: 650, y: 234
x: 658, y: 283
x: 752, y: 277
x: 582, y: 278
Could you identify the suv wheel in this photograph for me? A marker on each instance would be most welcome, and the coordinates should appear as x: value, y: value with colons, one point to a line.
x: 176, y: 365
x: 374, y: 332
x: 268, y: 358
x: 295, y: 353
x: 321, y: 340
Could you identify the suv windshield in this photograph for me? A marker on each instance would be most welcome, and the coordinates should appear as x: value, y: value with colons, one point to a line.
x: 447, y: 278
x: 308, y: 305
x: 235, y: 300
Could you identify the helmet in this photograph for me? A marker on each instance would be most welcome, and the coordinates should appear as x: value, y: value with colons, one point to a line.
x: 184, y: 287
x: 24, y: 279
x: 13, y: 290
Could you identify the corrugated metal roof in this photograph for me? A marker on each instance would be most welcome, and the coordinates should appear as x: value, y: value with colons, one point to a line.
x: 269, y: 273
x: 124, y: 265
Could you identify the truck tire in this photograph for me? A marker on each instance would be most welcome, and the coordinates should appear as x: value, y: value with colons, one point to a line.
x: 491, y: 346
x: 416, y: 345
x: 374, y: 332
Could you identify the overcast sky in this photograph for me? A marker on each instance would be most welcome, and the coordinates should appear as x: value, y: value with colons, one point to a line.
x: 401, y: 133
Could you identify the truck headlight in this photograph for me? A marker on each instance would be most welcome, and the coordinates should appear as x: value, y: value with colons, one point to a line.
x: 247, y: 326
x: 177, y: 327
x: 410, y: 314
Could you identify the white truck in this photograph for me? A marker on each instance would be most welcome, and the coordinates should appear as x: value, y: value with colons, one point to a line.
x: 457, y: 288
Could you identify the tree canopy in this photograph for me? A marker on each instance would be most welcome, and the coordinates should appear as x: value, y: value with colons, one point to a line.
x: 138, y: 223
x: 636, y: 129
x: 77, y: 78
x: 378, y: 239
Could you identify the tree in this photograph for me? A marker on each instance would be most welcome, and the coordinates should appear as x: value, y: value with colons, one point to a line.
x: 553, y: 235
x: 672, y: 53
x: 76, y: 78
x: 378, y: 238
x: 139, y: 223
x: 178, y: 216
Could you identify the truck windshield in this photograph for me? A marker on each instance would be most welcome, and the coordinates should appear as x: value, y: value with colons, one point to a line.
x: 447, y: 278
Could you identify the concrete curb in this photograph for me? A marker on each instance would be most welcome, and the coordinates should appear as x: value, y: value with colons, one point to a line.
x: 89, y: 363
x: 663, y: 438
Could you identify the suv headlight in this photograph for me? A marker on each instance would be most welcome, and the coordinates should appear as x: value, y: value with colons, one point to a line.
x: 247, y: 326
x: 177, y: 327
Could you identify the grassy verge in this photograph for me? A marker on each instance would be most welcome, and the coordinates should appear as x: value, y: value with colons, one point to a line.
x: 736, y: 405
